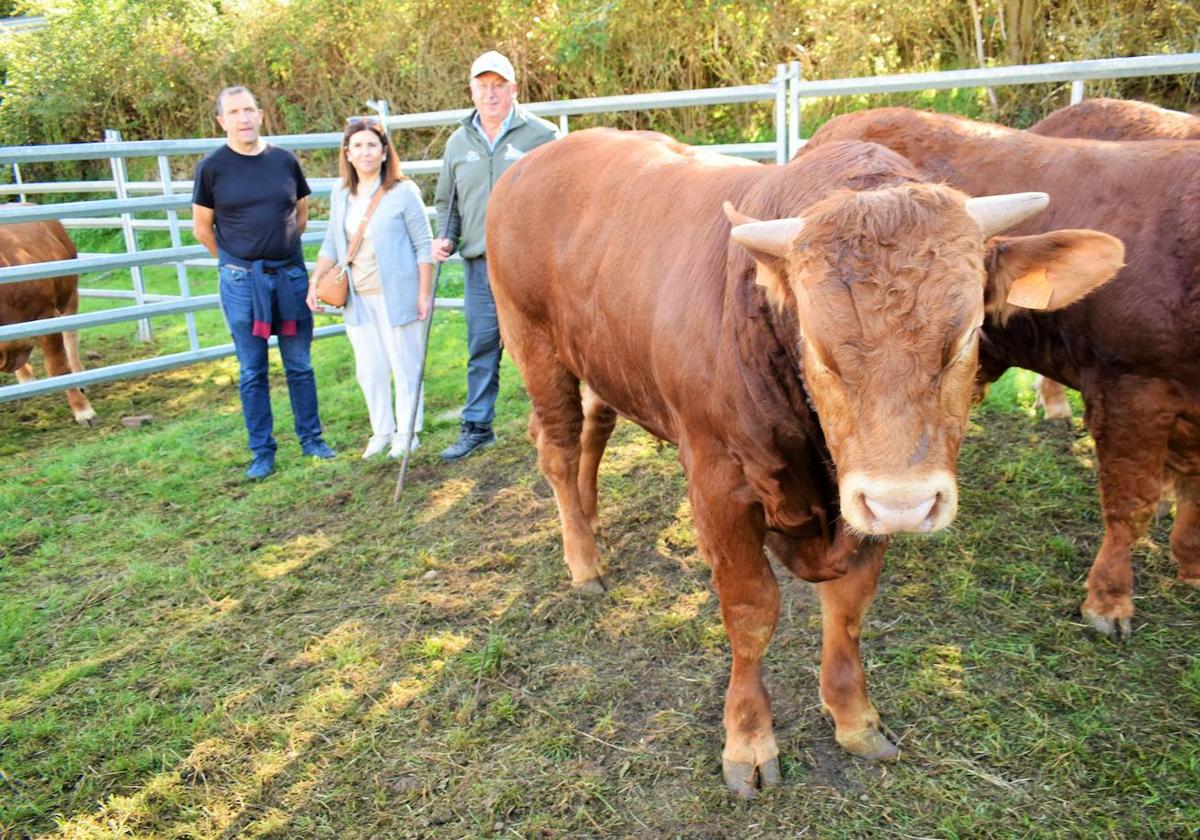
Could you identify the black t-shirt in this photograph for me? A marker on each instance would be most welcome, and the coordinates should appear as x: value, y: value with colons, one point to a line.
x: 253, y: 198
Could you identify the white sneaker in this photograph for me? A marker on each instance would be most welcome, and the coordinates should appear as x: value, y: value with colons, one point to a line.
x: 376, y: 445
x: 400, y: 444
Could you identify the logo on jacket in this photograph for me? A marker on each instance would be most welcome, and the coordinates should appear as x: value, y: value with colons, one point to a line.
x: 511, y: 152
x: 471, y: 156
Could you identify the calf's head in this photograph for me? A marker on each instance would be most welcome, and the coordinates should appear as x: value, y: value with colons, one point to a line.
x: 14, y: 355
x: 890, y: 288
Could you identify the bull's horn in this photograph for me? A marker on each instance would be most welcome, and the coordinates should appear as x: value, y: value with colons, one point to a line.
x: 997, y: 213
x: 773, y: 237
x: 735, y: 216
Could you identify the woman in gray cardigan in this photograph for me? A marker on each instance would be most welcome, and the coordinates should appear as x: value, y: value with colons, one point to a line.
x: 391, y: 280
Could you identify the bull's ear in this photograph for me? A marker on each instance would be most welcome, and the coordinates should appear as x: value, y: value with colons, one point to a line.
x: 1048, y: 271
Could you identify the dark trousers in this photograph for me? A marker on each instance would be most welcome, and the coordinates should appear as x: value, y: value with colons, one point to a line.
x: 483, y: 343
x: 251, y: 351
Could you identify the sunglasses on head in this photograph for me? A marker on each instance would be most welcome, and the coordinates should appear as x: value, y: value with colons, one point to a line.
x: 364, y: 122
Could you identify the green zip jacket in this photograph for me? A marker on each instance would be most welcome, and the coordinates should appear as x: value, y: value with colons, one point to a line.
x: 473, y: 169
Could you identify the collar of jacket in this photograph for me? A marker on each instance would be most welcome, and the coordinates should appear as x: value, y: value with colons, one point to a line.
x: 517, y: 119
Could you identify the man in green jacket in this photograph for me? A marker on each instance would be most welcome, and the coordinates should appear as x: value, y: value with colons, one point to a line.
x: 495, y: 134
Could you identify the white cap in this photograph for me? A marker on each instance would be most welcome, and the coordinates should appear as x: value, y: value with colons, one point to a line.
x: 493, y: 62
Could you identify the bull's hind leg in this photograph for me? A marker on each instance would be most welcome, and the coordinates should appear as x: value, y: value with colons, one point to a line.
x: 599, y: 419
x: 555, y: 428
x: 730, y: 536
x: 1052, y: 397
x: 1131, y: 421
x: 844, y: 605
x: 71, y: 344
x: 1185, y: 534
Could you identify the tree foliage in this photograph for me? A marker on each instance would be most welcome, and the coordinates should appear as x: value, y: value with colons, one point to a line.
x: 151, y: 67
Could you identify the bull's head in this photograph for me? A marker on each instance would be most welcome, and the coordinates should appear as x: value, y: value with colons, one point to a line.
x: 890, y: 288
x: 14, y: 355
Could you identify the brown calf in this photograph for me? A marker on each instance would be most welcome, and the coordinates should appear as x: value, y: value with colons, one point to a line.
x: 816, y: 410
x: 1133, y: 349
x: 34, y: 242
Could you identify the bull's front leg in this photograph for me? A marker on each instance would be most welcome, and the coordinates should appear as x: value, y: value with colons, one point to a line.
x: 844, y: 605
x: 58, y: 363
x: 730, y: 536
x: 1131, y: 421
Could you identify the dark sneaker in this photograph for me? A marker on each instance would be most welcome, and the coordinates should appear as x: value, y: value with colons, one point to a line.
x: 473, y: 436
x: 261, y: 467
x: 317, y: 449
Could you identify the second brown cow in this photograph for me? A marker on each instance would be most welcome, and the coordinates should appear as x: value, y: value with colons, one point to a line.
x: 811, y: 350
x: 1132, y: 349
x: 1108, y: 119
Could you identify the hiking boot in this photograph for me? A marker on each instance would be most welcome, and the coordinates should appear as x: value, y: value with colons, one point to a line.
x: 473, y: 436
x: 261, y: 467
x: 317, y: 449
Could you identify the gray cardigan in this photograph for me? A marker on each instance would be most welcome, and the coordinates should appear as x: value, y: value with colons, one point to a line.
x: 401, y: 234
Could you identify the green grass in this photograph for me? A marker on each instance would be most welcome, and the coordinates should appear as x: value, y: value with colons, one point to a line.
x: 183, y: 654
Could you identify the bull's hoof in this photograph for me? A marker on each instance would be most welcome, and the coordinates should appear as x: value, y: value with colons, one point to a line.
x: 86, y: 419
x: 741, y: 776
x: 1193, y: 582
x: 1117, y: 628
x: 591, y: 586
x: 870, y: 744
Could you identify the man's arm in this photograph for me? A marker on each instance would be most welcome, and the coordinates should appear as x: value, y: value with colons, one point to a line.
x: 301, y: 214
x: 447, y: 239
x: 202, y: 227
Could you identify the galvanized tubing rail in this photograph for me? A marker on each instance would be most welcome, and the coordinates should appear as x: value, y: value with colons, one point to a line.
x: 175, y: 195
x: 787, y: 91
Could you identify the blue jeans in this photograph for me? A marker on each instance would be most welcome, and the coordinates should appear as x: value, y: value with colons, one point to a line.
x: 252, y: 358
x: 483, y: 343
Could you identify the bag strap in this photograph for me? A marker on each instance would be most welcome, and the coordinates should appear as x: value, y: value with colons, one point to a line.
x: 356, y: 242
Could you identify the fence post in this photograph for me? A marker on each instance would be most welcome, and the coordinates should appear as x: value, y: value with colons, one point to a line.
x: 781, y: 126
x: 1076, y: 91
x: 144, y: 331
x: 16, y: 173
x: 563, y: 128
x: 795, y: 76
x: 164, y: 174
x: 379, y: 106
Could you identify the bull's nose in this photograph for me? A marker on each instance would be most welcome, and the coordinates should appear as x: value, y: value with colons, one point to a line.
x: 890, y: 505
x: 890, y: 518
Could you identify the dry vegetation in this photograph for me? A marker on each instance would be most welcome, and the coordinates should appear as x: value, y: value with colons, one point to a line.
x: 151, y: 67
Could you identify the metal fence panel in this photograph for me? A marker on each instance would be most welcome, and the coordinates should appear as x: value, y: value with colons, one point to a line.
x: 787, y: 91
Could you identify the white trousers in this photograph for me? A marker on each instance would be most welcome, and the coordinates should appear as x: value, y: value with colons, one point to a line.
x: 383, y: 353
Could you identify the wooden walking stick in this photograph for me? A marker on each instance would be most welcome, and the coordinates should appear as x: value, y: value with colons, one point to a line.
x: 412, y: 420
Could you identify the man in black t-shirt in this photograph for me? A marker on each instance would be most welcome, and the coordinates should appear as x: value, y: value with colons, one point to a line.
x: 249, y: 207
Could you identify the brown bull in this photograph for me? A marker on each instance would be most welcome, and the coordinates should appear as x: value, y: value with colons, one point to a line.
x: 1108, y: 119
x: 819, y: 409
x: 34, y: 242
x: 1119, y: 119
x: 1133, y: 349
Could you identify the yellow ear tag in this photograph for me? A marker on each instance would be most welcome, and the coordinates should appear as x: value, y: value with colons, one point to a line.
x: 1031, y: 291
